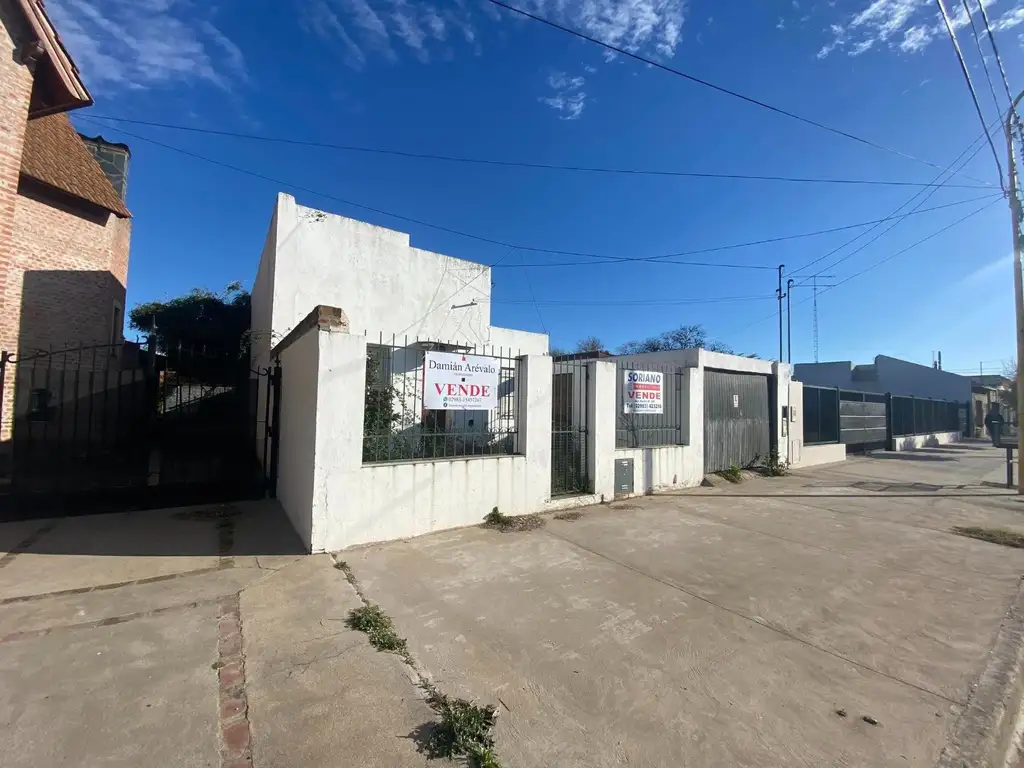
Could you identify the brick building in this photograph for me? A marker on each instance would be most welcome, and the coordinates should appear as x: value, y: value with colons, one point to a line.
x: 64, y: 243
x: 64, y: 228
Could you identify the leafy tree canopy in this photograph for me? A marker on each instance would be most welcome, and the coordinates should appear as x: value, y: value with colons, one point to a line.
x: 589, y: 344
x: 683, y: 337
x: 201, y: 320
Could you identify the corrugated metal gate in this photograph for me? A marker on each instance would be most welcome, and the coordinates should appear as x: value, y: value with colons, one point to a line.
x: 737, y: 419
x: 862, y: 421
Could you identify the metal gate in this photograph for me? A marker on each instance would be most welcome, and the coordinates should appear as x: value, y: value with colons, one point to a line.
x: 108, y: 427
x: 569, y: 387
x: 863, y: 420
x: 737, y: 419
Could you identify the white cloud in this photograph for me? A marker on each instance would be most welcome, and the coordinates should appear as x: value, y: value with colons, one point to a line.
x: 1009, y: 20
x: 569, y: 98
x: 999, y: 267
x: 147, y: 43
x: 781, y: 23
x: 908, y: 26
x: 386, y: 27
x: 391, y: 27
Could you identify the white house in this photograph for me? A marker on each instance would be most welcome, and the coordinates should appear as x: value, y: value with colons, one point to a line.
x: 385, y: 286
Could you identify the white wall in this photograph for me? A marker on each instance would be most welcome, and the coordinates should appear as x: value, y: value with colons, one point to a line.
x: 518, y: 342
x: 300, y: 366
x: 913, y: 442
x: 664, y: 468
x: 813, y: 455
x: 382, y: 283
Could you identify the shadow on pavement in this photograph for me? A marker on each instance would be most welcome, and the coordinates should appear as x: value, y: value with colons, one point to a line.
x: 235, y: 529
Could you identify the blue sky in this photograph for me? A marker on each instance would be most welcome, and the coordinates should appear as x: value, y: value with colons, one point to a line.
x: 462, y: 77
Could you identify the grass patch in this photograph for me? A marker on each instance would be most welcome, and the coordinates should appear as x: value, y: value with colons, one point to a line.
x: 507, y: 524
x: 464, y: 730
x: 379, y: 629
x: 732, y: 474
x: 572, y: 515
x: 994, y: 535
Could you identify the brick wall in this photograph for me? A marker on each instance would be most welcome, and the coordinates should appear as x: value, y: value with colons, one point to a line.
x: 68, y: 268
x: 15, y: 92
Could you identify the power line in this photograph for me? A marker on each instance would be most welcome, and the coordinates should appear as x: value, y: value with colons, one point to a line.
x: 981, y: 53
x: 666, y: 258
x: 877, y: 264
x: 633, y: 302
x: 970, y: 85
x: 708, y: 84
x: 995, y: 49
x: 533, y: 297
x: 947, y: 169
x: 662, y: 259
x: 525, y: 164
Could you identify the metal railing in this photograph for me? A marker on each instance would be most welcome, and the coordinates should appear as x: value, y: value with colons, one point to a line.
x: 821, y: 415
x: 418, y: 410
x: 923, y: 416
x: 651, y: 405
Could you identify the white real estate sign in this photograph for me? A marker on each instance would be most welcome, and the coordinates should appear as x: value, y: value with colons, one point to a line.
x: 645, y: 392
x: 456, y: 382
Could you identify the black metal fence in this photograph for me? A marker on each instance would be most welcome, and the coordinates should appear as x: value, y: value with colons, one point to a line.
x: 134, y: 422
x: 651, y: 405
x: 821, y: 415
x: 570, y: 413
x: 922, y: 416
x: 428, y: 400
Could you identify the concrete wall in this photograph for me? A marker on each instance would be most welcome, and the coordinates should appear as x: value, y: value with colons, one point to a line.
x: 511, y: 341
x: 813, y: 455
x: 383, y: 284
x: 887, y: 374
x: 300, y: 365
x: 665, y: 468
x: 913, y: 442
x: 335, y: 501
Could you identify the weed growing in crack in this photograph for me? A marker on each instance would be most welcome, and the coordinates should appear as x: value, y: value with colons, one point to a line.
x: 732, y: 474
x: 379, y: 628
x: 507, y: 524
x: 464, y: 730
x: 573, y: 515
x: 994, y: 535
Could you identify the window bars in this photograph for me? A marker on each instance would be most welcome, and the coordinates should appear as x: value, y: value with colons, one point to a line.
x: 398, y: 425
x: 651, y: 405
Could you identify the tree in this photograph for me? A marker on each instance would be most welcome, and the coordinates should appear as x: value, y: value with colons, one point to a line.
x: 558, y: 352
x: 589, y: 344
x: 201, y: 321
x: 1008, y: 394
x: 683, y: 337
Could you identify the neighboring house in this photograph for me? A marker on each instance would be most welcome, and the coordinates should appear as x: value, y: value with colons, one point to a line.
x: 887, y: 375
x: 65, y: 235
x: 988, y: 392
x: 64, y: 228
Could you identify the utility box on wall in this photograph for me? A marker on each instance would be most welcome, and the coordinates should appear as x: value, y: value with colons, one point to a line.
x: 623, y: 477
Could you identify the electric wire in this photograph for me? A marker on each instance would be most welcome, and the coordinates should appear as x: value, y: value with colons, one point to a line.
x: 970, y: 85
x: 605, y: 259
x: 525, y: 164
x: 981, y: 54
x: 707, y: 84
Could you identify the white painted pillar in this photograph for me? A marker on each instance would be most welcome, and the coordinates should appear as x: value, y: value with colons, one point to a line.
x: 782, y: 373
x: 601, y: 415
x: 693, y: 428
x: 533, y: 425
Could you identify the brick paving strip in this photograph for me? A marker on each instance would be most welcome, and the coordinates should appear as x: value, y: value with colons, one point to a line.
x: 235, y: 750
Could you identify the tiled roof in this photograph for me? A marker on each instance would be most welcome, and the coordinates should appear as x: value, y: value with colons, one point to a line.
x: 55, y: 155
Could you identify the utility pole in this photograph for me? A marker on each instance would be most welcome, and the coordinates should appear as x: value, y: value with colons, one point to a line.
x: 815, y: 278
x: 1018, y: 285
x: 789, y: 322
x: 781, y: 296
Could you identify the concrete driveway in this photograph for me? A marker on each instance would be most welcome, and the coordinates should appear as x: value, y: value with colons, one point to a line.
x: 826, y: 618
x: 729, y: 627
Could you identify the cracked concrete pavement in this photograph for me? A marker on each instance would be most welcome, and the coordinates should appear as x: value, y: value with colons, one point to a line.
x: 753, y: 625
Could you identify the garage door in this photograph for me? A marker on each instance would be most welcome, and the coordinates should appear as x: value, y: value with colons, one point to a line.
x: 737, y: 425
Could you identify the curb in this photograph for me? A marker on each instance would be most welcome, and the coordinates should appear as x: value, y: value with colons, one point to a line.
x: 984, y: 734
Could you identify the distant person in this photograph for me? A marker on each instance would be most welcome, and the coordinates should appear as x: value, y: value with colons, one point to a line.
x: 994, y: 423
